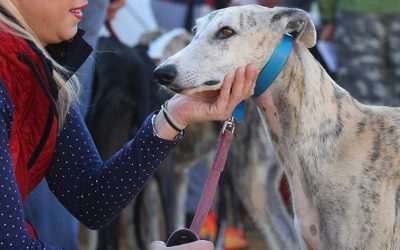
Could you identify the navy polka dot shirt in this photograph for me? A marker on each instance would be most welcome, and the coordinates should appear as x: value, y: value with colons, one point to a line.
x: 93, y: 190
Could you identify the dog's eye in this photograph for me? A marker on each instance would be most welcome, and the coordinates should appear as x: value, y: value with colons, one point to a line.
x: 225, y: 32
x: 194, y: 29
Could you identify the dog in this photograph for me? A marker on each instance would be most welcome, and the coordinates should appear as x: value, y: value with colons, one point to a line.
x: 341, y: 157
x: 254, y: 176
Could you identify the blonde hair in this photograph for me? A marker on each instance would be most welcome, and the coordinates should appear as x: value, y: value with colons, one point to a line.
x: 67, y: 90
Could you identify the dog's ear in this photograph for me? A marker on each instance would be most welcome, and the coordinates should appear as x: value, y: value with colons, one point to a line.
x: 296, y: 22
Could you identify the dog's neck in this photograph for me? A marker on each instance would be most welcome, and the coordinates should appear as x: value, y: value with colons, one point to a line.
x: 300, y: 105
x: 303, y: 112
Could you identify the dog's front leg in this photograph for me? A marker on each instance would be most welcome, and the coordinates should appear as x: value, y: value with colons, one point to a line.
x: 303, y: 243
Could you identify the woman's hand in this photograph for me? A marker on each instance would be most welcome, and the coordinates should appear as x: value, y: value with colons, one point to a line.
x: 185, y: 110
x: 197, y: 245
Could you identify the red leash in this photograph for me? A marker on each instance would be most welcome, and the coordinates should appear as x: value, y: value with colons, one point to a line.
x: 189, y: 235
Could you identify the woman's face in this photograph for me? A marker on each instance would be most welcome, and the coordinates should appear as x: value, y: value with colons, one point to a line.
x: 53, y: 21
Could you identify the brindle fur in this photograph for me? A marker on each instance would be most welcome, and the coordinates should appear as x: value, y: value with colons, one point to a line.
x: 341, y: 157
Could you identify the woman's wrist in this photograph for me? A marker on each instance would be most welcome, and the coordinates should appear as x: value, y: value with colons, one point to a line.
x: 171, y: 121
x: 163, y: 128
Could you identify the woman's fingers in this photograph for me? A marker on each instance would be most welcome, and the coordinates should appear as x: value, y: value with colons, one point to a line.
x: 243, y: 85
x: 251, y: 78
x: 255, y: 77
x: 236, y: 87
x: 226, y: 88
x: 196, y: 245
x: 249, y: 81
x: 219, y: 106
x: 156, y: 245
x: 234, y: 90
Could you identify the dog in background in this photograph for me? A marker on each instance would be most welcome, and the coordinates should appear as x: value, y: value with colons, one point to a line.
x: 341, y: 157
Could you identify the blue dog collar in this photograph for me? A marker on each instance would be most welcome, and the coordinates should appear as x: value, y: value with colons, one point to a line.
x: 269, y: 73
x: 274, y: 65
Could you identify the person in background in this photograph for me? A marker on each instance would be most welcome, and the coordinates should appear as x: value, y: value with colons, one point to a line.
x: 182, y: 13
x: 301, y: 4
x: 44, y: 134
x: 367, y: 36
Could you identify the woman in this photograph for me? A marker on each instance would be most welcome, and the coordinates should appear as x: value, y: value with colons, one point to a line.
x: 43, y: 134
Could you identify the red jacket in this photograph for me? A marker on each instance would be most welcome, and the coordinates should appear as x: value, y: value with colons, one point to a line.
x: 34, y: 126
x: 27, y: 77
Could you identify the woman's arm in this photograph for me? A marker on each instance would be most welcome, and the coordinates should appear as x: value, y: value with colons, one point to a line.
x: 13, y: 232
x: 96, y: 191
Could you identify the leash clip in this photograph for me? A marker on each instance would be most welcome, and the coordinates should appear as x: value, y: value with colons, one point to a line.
x: 229, y: 125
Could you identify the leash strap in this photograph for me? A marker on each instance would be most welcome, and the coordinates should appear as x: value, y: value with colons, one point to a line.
x: 185, y: 235
x: 211, y: 185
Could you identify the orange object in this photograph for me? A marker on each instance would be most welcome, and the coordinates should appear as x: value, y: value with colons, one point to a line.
x: 209, y: 229
x: 234, y: 239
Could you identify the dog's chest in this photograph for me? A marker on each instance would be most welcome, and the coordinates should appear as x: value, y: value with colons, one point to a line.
x: 306, y: 214
x: 270, y: 114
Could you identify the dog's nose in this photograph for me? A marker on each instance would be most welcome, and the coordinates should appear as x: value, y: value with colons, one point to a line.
x: 165, y: 75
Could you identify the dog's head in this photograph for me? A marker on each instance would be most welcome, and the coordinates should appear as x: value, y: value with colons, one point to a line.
x: 230, y: 38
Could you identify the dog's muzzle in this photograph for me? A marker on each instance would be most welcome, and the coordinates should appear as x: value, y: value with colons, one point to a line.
x: 166, y: 74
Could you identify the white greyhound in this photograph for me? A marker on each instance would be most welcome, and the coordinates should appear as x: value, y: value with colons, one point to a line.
x: 341, y: 157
